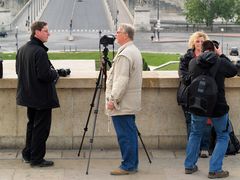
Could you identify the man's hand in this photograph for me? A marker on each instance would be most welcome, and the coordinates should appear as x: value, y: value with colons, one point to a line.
x: 218, y: 51
x: 110, y: 105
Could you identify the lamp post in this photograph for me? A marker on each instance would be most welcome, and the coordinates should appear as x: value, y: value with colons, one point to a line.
x: 100, y: 34
x: 116, y: 15
x: 16, y: 36
x: 157, y: 28
x: 71, y: 38
x: 222, y: 30
x: 28, y: 18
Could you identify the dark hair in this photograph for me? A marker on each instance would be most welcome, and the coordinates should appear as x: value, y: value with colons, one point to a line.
x: 38, y: 25
x: 207, y: 45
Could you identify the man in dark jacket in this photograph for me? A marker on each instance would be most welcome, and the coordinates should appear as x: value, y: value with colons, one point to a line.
x: 219, y: 117
x: 36, y: 90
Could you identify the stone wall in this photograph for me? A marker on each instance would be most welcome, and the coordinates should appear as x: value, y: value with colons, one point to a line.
x: 160, y: 122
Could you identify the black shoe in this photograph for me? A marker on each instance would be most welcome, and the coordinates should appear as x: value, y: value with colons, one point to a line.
x: 43, y: 163
x: 191, y: 170
x: 25, y: 159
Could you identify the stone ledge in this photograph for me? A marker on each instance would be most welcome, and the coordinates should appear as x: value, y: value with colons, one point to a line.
x: 87, y: 79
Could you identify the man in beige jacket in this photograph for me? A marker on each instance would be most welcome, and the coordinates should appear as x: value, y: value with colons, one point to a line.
x: 123, y: 97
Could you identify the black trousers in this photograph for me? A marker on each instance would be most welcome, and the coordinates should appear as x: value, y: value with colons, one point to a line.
x: 38, y: 129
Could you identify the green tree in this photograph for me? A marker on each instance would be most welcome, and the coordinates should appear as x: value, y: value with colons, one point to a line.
x: 205, y: 11
x: 200, y: 11
x: 237, y: 11
x: 193, y: 15
x: 225, y: 9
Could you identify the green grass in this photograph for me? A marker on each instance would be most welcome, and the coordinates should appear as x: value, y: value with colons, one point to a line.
x: 170, y: 67
x: 156, y: 59
x: 152, y: 59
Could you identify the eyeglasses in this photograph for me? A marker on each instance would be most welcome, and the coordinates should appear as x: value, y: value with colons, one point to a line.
x: 120, y: 32
x: 45, y: 30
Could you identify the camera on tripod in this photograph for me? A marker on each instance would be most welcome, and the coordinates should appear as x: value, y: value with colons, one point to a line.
x: 107, y: 39
x: 63, y: 72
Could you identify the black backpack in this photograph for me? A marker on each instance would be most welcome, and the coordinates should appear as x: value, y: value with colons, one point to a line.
x: 233, y: 145
x: 203, y: 92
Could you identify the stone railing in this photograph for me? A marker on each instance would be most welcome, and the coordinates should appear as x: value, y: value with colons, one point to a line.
x: 160, y: 122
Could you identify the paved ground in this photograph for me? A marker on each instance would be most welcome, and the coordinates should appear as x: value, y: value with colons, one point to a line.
x: 166, y: 165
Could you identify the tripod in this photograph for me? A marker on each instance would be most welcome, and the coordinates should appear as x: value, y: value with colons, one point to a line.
x: 95, y: 100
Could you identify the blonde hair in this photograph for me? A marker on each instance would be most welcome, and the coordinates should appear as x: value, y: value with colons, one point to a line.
x: 196, y: 35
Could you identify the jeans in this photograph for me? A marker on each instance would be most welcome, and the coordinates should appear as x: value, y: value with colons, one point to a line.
x: 193, y: 146
x: 126, y: 131
x: 207, y: 130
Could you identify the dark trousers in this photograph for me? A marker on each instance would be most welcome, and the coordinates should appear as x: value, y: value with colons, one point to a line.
x: 38, y: 128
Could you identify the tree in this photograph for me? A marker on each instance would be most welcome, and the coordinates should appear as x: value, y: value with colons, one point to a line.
x: 205, y: 11
x: 193, y: 15
x: 237, y: 11
x: 200, y: 11
x: 225, y: 9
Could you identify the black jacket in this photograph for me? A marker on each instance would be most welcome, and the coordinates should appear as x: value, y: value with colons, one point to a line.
x: 226, y: 69
x: 36, y: 76
x: 184, y: 77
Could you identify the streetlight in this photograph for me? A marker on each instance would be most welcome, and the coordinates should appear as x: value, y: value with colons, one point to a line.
x: 16, y: 36
x: 222, y: 30
x: 116, y: 19
x: 70, y: 38
x: 116, y: 15
x: 157, y: 28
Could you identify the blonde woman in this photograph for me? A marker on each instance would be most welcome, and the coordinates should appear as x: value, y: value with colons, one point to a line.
x: 195, y: 49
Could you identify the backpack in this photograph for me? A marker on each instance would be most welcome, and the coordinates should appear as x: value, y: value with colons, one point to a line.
x: 233, y: 144
x: 203, y: 92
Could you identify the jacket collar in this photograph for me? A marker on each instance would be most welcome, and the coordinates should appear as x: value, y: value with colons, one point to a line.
x: 37, y: 41
x: 121, y: 48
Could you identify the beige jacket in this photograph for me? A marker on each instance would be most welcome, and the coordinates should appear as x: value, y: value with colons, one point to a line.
x: 124, y: 82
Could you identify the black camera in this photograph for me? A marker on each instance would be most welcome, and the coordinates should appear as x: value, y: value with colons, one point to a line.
x: 63, y: 72
x: 216, y: 43
x: 107, y: 39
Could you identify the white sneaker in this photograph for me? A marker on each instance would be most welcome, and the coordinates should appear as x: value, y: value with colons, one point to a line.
x: 204, y: 154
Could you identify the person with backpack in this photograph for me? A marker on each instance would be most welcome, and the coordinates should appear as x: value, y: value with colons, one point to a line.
x: 195, y: 49
x: 210, y: 63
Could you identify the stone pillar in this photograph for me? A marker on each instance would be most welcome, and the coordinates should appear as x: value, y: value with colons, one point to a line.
x: 142, y: 18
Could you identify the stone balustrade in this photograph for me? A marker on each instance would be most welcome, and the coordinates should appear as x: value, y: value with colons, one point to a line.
x: 161, y: 121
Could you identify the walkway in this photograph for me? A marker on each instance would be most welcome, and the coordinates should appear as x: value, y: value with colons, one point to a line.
x: 166, y: 165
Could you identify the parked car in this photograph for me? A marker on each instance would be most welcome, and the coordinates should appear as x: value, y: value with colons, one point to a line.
x: 234, y: 51
x: 3, y: 34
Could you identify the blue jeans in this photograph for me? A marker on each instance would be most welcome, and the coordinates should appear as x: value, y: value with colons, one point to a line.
x: 193, y: 146
x: 207, y: 131
x: 126, y: 131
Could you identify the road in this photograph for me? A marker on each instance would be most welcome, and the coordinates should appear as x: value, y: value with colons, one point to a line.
x: 85, y: 14
x: 86, y: 41
x: 90, y: 16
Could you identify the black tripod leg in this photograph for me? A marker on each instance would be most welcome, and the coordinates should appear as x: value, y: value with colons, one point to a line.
x: 95, y: 119
x: 90, y: 110
x: 144, y: 147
